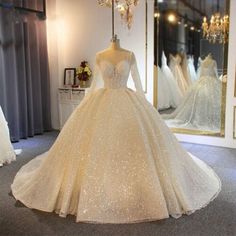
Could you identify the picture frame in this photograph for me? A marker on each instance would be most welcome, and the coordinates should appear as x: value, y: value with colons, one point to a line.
x: 69, y: 77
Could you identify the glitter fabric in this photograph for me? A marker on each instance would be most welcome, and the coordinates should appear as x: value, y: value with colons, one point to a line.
x: 201, y: 107
x: 115, y: 160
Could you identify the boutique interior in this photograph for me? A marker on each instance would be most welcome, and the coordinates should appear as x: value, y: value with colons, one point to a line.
x: 118, y: 117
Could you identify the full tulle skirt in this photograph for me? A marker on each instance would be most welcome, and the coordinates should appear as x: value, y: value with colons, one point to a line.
x: 164, y: 92
x: 192, y: 72
x: 115, y: 161
x: 174, y: 91
x: 7, y: 154
x: 201, y: 107
x: 180, y: 79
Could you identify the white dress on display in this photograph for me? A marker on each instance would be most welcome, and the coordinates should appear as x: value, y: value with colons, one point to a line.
x: 176, y: 70
x: 7, y: 154
x: 191, y: 69
x: 115, y: 160
x: 199, y: 67
x: 175, y: 93
x: 164, y: 92
x: 201, y: 107
x: 185, y: 70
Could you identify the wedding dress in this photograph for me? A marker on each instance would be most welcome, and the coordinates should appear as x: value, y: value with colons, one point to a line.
x: 201, y: 107
x: 199, y: 67
x: 191, y: 69
x: 115, y: 160
x: 175, y: 93
x: 7, y: 154
x: 164, y: 92
x: 178, y: 73
x: 186, y: 71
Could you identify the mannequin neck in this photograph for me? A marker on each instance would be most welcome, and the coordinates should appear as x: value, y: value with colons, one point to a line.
x: 115, y: 44
x: 209, y: 57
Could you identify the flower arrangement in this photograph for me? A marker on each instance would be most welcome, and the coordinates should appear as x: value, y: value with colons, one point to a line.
x: 84, y: 72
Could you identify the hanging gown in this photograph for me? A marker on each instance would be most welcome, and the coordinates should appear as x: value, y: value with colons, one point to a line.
x: 175, y: 93
x: 7, y: 154
x: 164, y: 92
x: 178, y: 73
x: 199, y: 67
x: 191, y: 69
x: 201, y: 107
x: 115, y: 160
x: 186, y: 71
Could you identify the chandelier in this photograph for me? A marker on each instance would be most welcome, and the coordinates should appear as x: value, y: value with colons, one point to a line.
x: 217, y: 30
x: 124, y: 7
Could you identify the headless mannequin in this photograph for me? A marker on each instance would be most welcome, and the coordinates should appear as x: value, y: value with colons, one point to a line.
x: 114, y: 53
x: 209, y: 56
x: 207, y: 60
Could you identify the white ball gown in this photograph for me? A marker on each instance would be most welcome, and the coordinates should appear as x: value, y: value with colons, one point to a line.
x: 186, y: 71
x: 177, y: 71
x: 175, y: 95
x: 191, y: 69
x: 164, y: 92
x: 115, y: 160
x: 7, y: 154
x: 201, y: 107
x: 198, y: 67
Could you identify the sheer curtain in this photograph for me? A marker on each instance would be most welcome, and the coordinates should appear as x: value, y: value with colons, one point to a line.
x: 24, y: 73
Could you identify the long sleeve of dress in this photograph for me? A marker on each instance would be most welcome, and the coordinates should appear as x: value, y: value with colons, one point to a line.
x: 96, y: 82
x: 136, y: 77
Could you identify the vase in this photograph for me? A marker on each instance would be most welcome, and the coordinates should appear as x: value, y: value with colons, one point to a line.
x: 83, y: 84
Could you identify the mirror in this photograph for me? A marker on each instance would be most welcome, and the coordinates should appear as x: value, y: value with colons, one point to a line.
x: 234, y: 123
x: 190, y: 50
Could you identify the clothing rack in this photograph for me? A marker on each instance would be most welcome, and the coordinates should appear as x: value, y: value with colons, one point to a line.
x: 40, y: 14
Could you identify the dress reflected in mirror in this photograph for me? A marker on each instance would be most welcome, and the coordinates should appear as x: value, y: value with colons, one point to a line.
x: 191, y: 69
x: 174, y: 93
x: 176, y: 69
x: 201, y: 107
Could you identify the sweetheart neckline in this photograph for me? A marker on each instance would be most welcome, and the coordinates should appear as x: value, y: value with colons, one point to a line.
x: 117, y: 64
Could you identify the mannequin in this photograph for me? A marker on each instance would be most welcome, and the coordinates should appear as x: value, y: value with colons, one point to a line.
x: 114, y: 53
x: 207, y: 62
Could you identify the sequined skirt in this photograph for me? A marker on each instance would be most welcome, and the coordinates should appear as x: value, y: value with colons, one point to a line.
x: 115, y: 161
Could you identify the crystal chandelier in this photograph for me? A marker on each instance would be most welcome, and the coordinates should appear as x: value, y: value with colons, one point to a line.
x: 217, y: 30
x: 124, y: 7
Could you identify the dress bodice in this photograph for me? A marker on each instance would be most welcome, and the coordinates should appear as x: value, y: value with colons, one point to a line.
x: 208, y: 68
x: 109, y: 75
x: 178, y: 59
x: 115, y: 76
x: 175, y: 60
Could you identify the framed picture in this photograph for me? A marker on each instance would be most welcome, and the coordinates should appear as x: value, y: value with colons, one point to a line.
x: 69, y: 76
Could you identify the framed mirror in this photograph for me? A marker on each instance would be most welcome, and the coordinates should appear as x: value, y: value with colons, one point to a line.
x: 191, y: 51
x: 234, y: 123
